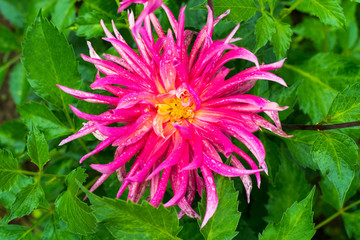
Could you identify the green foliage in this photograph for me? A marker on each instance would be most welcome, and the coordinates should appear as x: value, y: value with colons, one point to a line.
x: 13, y: 135
x: 27, y: 200
x: 328, y: 11
x: 14, y: 232
x: 264, y: 30
x: 8, y: 170
x: 34, y: 113
x: 336, y: 154
x: 346, y: 106
x: 319, y: 84
x: 19, y: 86
x: 134, y: 221
x: 296, y: 223
x: 90, y: 14
x: 38, y: 149
x: 300, y: 148
x: 223, y: 223
x: 352, y: 224
x: 8, y: 41
x: 64, y: 13
x: 241, y: 10
x: 49, y: 60
x: 281, y: 39
x: 77, y: 214
x: 290, y: 186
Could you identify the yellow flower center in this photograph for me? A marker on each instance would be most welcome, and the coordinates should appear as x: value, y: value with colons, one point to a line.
x: 173, y: 109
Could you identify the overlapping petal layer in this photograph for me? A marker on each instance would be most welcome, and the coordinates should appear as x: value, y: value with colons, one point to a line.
x: 178, y: 110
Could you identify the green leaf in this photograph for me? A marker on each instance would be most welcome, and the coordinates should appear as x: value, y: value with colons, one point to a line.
x: 50, y: 60
x: 328, y: 11
x: 91, y: 12
x: 290, y: 186
x: 285, y: 97
x: 64, y: 13
x: 39, y: 115
x: 300, y: 147
x: 352, y: 224
x: 241, y: 10
x: 8, y: 170
x: 77, y: 214
x: 14, y: 11
x: 38, y: 149
x: 311, y: 28
x: 127, y: 220
x: 14, y: 232
x: 13, y: 136
x: 296, y: 223
x: 264, y: 30
x: 223, y: 223
x: 336, y: 155
x: 27, y: 200
x: 281, y: 39
x: 320, y: 82
x: 19, y: 86
x: 330, y: 194
x: 8, y: 41
x: 7, y: 198
x: 346, y: 106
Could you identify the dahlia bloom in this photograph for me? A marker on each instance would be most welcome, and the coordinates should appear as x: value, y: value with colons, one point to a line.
x: 178, y: 112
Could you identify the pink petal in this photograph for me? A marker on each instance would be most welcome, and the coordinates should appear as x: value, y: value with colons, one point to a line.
x: 211, y: 195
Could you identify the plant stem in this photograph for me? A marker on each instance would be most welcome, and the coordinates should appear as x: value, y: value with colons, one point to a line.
x: 42, y: 174
x: 43, y: 218
x: 290, y: 9
x: 338, y: 213
x: 10, y: 62
x: 321, y: 127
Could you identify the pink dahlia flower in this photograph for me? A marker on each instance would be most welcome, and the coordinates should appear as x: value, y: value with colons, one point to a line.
x: 179, y: 112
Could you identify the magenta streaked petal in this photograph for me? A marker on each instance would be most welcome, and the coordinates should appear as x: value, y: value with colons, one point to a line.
x: 226, y: 170
x: 98, y: 182
x: 88, y: 128
x: 130, y: 100
x: 107, y: 32
x: 221, y: 16
x: 99, y: 147
x: 106, y: 67
x: 172, y: 19
x: 151, y: 6
x: 172, y: 158
x: 156, y: 200
x: 127, y: 80
x: 249, y: 140
x: 249, y: 99
x: 126, y: 3
x: 117, y: 115
x: 246, y: 179
x: 134, y: 60
x: 211, y: 195
x: 141, y: 175
x: 262, y: 122
x: 90, y: 97
x: 125, y: 184
x: 187, y: 209
x: 126, y: 155
x: 239, y: 53
x: 231, y: 35
x: 137, y: 131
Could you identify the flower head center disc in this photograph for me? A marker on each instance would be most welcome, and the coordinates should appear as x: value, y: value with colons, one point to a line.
x: 176, y: 109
